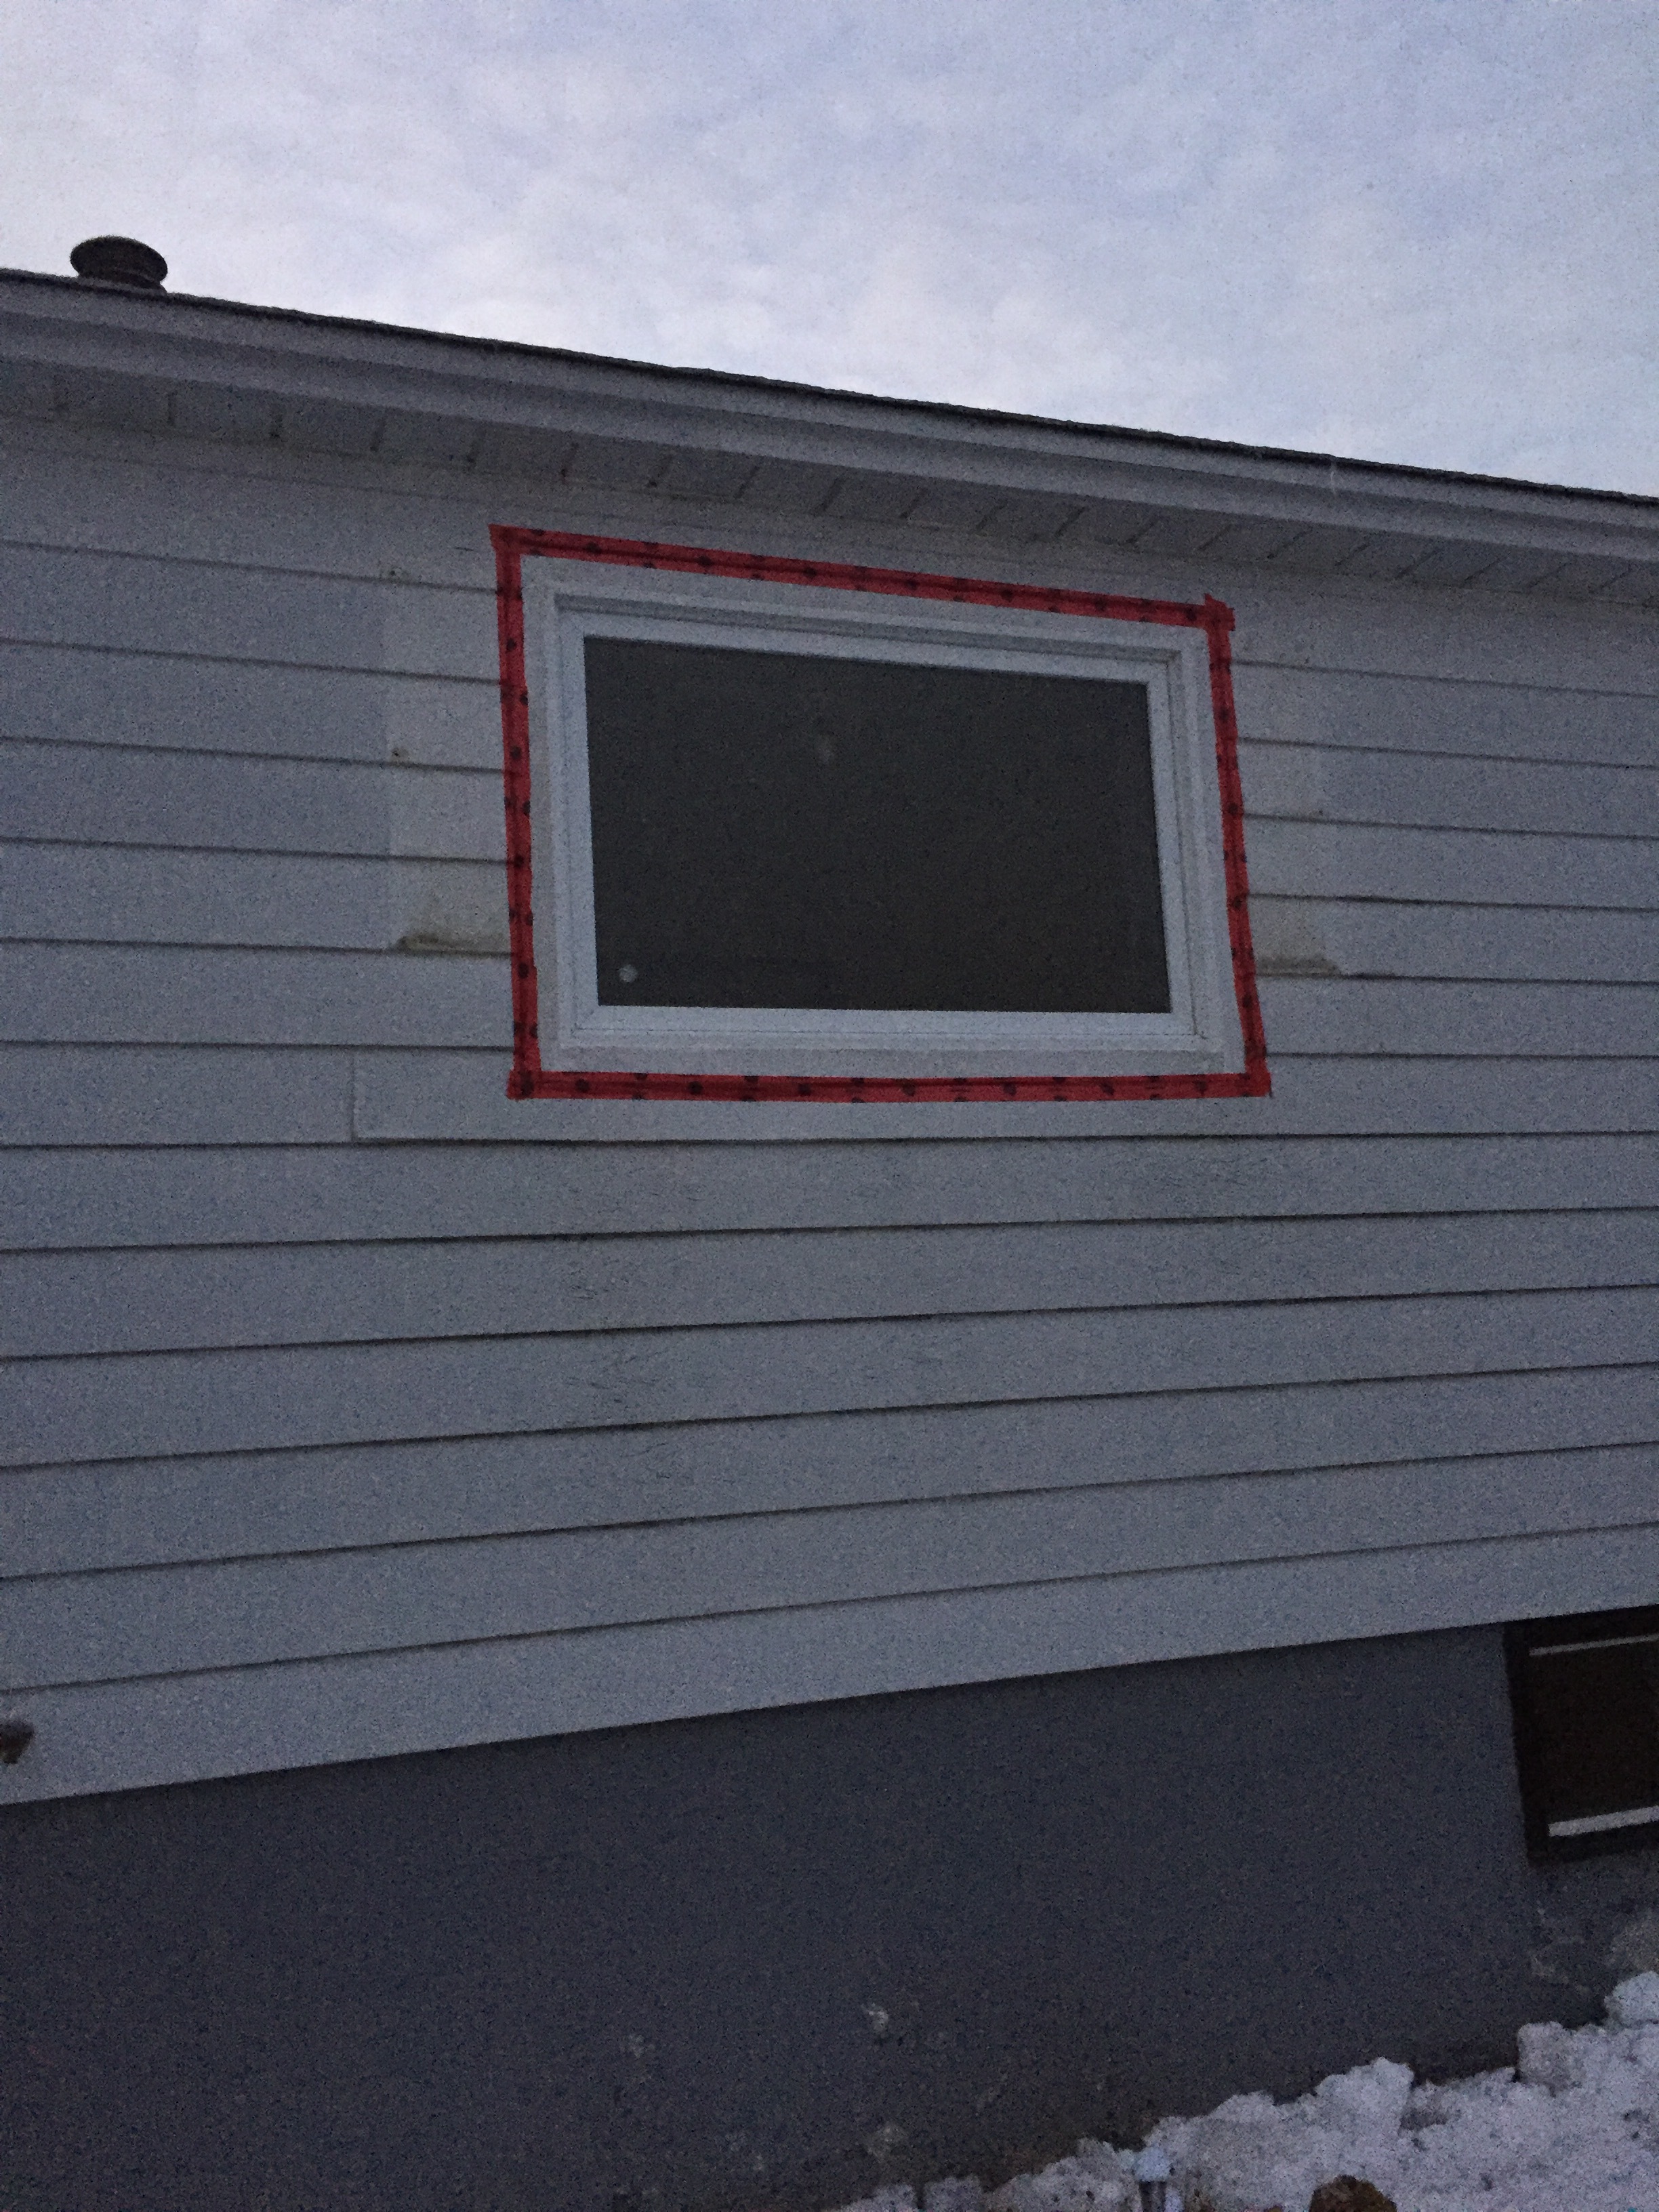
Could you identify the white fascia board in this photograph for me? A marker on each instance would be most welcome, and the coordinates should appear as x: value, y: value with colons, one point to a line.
x: 170, y: 343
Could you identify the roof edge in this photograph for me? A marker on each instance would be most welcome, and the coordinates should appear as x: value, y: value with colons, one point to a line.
x: 689, y: 379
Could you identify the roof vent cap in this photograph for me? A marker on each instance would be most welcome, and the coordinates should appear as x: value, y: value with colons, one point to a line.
x: 119, y: 261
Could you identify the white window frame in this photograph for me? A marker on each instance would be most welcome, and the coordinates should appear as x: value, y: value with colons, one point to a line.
x: 566, y: 602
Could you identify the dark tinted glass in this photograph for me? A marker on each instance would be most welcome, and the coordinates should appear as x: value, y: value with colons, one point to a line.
x: 783, y: 829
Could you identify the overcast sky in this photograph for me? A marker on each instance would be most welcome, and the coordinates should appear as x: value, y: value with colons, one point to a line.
x: 1425, y: 231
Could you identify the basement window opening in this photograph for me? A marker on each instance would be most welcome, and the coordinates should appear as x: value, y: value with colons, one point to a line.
x: 1584, y: 1692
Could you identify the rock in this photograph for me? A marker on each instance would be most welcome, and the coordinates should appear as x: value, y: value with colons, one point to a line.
x: 1635, y: 2003
x: 1348, y: 2193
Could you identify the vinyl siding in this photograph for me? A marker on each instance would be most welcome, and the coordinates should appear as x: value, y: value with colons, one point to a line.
x: 354, y: 1409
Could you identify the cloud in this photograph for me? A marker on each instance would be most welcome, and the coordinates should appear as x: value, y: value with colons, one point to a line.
x: 1427, y: 233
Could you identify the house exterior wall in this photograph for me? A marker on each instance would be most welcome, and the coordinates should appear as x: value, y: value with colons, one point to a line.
x: 360, y: 1411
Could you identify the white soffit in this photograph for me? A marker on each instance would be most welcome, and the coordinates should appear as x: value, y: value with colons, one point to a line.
x: 220, y: 370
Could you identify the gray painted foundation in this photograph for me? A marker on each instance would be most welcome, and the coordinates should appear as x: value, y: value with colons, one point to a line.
x: 771, y: 1959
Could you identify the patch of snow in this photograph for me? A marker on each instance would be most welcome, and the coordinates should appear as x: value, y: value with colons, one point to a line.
x: 1635, y: 2003
x: 1572, y: 2127
x: 1096, y: 2180
x: 953, y: 2195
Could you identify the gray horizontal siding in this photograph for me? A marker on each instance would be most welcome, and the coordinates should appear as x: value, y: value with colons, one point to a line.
x: 76, y: 994
x: 268, y: 1399
x: 430, y: 529
x: 1335, y: 784
x: 119, y: 792
x: 363, y: 1409
x: 124, y: 1735
x: 103, y: 1096
x: 176, y: 701
x: 69, y: 893
x: 1411, y: 715
x: 193, y: 995
x: 144, y: 604
x: 170, y: 1095
x: 1369, y: 1015
x: 74, y: 894
x: 245, y: 1612
x: 66, y: 499
x: 118, y: 795
x: 131, y: 1512
x: 247, y: 1194
x: 132, y: 795
x: 88, y: 1302
x: 1509, y: 944
x: 402, y: 1096
x: 1478, y: 867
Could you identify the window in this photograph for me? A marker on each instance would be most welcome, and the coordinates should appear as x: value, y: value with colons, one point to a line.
x: 1585, y: 1695
x: 812, y: 832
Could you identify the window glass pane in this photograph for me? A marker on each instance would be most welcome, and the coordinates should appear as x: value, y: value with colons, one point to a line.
x: 1598, y: 1726
x: 792, y: 830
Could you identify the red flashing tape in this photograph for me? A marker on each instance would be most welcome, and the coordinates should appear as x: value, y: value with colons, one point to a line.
x: 530, y: 1080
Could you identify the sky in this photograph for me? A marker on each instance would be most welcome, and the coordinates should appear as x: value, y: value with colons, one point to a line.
x: 1426, y: 231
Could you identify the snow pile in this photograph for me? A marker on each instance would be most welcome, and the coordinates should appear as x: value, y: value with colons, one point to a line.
x: 1098, y: 2179
x: 1574, y: 2127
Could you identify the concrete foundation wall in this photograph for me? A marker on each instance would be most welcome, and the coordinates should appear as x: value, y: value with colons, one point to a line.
x: 767, y: 1960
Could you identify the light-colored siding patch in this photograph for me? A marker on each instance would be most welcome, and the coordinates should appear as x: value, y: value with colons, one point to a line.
x: 1494, y: 720
x: 108, y: 895
x: 1302, y: 782
x: 147, y: 604
x: 176, y: 701
x: 1479, y: 868
x: 130, y: 795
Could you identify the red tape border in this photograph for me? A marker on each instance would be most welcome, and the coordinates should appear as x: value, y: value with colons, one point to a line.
x: 530, y: 1080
